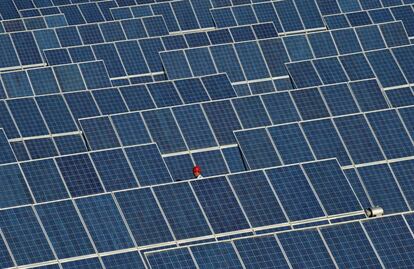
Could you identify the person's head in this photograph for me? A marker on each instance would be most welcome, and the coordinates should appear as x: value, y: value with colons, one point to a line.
x: 196, y: 171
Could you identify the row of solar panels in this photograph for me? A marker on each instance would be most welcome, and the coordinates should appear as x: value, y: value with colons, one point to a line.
x: 191, y: 13
x: 379, y: 15
x: 87, y: 13
x: 363, y: 244
x: 183, y: 127
x: 242, y: 203
x: 329, y: 7
x: 34, y: 23
x: 366, y: 243
x: 326, y: 6
x: 216, y: 202
x: 144, y: 51
x: 246, y: 14
x: 75, y: 13
x: 258, y: 151
x: 58, y: 113
x: 268, y: 56
x: 392, y: 67
x: 266, y: 59
x: 121, y: 168
x: 381, y: 136
x: 110, y: 170
x: 213, y: 123
x: 108, y: 53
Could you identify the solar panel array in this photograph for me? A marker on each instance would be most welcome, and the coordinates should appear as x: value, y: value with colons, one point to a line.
x: 300, y: 114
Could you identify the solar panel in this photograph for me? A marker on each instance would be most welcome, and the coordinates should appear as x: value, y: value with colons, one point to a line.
x: 299, y: 114
x: 182, y: 211
x: 25, y: 236
x: 88, y: 263
x: 130, y: 259
x: 397, y: 236
x: 257, y: 198
x: 149, y: 230
x: 180, y: 258
x: 295, y: 193
x: 309, y: 242
x: 104, y: 223
x: 261, y: 252
x: 220, y: 205
x: 68, y: 236
x: 216, y: 255
x: 350, y: 246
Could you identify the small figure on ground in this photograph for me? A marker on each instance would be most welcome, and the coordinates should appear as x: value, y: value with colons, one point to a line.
x: 197, y: 172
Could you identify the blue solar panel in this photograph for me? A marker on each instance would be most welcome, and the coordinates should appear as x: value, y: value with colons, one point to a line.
x: 79, y: 175
x: 178, y: 258
x: 261, y: 252
x: 144, y: 217
x: 295, y: 193
x: 15, y: 191
x: 119, y: 261
x: 325, y: 141
x: 64, y: 229
x: 182, y: 211
x: 148, y: 165
x: 403, y: 171
x: 6, y: 260
x: 164, y: 130
x: 194, y: 126
x: 257, y: 148
x: 44, y: 180
x: 220, y: 205
x: 291, y: 143
x: 363, y: 147
x: 216, y: 256
x: 332, y: 187
x: 104, y: 222
x: 257, y: 198
x: 106, y: 103
x: 382, y: 187
x: 212, y: 161
x: 392, y: 240
x: 113, y: 169
x: 350, y: 246
x: 99, y: 133
x: 295, y: 244
x: 83, y: 264
x: 24, y: 235
x: 7, y: 155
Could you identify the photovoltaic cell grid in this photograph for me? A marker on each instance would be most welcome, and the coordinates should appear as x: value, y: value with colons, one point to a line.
x: 185, y: 211
x: 74, y: 124
x: 352, y: 245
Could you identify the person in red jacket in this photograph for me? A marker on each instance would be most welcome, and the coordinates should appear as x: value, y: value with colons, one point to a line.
x: 197, y: 172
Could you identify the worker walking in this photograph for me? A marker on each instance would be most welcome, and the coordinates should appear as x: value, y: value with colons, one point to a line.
x: 197, y: 172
